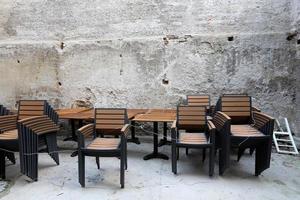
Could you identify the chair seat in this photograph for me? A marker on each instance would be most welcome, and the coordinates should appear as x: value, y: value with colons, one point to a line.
x: 245, y: 131
x: 104, y: 144
x: 192, y: 138
x: 9, y: 135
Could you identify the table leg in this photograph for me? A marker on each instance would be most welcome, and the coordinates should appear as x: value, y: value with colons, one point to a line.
x: 164, y: 141
x: 133, y: 138
x: 155, y: 153
x: 73, y: 130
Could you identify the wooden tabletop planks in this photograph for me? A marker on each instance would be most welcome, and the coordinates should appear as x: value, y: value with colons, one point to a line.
x: 156, y: 115
x: 162, y: 115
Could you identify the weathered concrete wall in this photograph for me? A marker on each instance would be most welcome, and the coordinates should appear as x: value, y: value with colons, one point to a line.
x: 116, y: 53
x: 296, y: 27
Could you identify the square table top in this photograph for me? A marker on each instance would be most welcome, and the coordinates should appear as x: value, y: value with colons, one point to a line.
x: 156, y: 115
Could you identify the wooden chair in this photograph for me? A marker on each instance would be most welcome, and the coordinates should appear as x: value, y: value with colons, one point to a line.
x: 199, y: 133
x: 108, y: 122
x: 34, y: 126
x: 249, y: 129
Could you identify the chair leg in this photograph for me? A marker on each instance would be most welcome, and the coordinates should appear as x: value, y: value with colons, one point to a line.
x: 122, y: 169
x: 262, y: 157
x: 240, y: 153
x: 2, y: 165
x: 51, y: 142
x: 126, y: 156
x: 187, y: 151
x: 203, y: 154
x: 211, y: 161
x: 11, y: 157
x: 98, y: 162
x: 177, y: 153
x: 81, y: 168
x: 252, y: 149
x: 174, y: 159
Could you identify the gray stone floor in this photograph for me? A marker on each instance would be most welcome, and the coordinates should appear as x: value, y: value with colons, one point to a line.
x: 153, y: 179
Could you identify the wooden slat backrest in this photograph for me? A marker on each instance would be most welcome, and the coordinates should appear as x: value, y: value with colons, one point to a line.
x: 237, y: 107
x: 198, y: 100
x: 110, y: 120
x: 8, y: 122
x: 191, y: 118
x: 242, y: 94
x: 220, y: 119
x: 40, y: 124
x: 31, y: 108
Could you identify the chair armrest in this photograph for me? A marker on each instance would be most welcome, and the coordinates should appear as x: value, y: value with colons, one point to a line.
x: 39, y: 125
x: 29, y: 120
x: 263, y: 122
x: 211, y: 131
x: 125, y: 130
x: 174, y: 131
x: 256, y: 109
x: 8, y: 122
x: 84, y: 132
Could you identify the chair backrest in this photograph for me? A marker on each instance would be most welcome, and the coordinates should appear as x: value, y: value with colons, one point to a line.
x: 31, y: 108
x: 110, y: 121
x: 242, y: 94
x: 191, y: 118
x: 198, y: 100
x: 237, y: 107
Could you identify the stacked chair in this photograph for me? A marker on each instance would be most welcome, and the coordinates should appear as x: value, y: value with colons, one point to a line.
x: 193, y: 130
x: 249, y: 129
x: 34, y: 127
x: 111, y: 122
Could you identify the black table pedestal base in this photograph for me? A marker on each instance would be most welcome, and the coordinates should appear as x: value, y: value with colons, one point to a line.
x: 134, y: 140
x: 156, y: 155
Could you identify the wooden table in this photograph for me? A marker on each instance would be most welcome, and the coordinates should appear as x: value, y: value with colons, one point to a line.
x: 156, y: 116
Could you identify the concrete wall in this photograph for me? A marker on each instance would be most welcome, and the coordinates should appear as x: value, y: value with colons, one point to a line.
x: 296, y: 27
x: 116, y: 53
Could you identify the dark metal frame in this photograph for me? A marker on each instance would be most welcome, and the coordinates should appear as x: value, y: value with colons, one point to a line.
x: 120, y: 152
x: 222, y: 124
x: 4, y: 111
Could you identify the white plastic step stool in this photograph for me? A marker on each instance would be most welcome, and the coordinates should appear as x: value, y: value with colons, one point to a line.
x: 283, y: 140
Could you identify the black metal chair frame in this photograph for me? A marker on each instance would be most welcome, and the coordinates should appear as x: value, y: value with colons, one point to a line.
x: 120, y: 152
x: 222, y: 124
